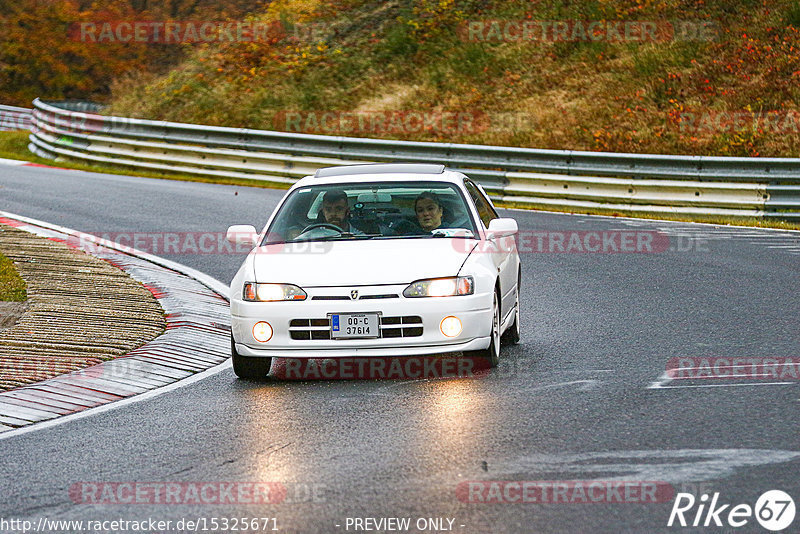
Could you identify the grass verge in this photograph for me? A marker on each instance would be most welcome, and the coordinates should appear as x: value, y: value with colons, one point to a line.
x: 12, y: 286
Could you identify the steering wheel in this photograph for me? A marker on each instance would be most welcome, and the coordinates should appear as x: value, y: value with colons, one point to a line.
x: 322, y: 225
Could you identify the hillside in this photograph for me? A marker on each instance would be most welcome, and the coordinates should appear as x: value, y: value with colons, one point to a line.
x: 668, y: 76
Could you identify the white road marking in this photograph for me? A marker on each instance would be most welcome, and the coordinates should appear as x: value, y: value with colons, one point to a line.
x: 586, y: 370
x: 562, y: 384
x: 665, y: 378
x: 676, y: 466
x: 723, y: 385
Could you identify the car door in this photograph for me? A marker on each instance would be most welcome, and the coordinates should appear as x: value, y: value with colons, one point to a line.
x: 501, y: 249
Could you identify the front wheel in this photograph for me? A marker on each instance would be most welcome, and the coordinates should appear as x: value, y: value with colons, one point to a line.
x: 492, y: 353
x: 249, y: 367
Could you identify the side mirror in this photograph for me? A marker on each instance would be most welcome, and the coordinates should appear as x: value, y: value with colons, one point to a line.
x: 502, y: 228
x: 242, y: 234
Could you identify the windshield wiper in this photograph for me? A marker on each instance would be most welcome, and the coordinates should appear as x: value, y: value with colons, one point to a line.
x: 338, y: 237
x: 350, y: 235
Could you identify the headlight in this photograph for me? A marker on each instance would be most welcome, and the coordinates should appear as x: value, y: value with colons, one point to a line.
x: 272, y: 292
x: 441, y: 287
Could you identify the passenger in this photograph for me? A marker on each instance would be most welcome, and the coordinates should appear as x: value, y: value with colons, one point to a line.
x: 429, y: 211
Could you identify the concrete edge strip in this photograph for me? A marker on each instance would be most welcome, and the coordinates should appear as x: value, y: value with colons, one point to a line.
x: 14, y: 162
x: 128, y: 378
x: 113, y: 405
x: 23, y: 163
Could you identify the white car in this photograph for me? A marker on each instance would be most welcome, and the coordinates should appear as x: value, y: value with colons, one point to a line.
x: 375, y: 261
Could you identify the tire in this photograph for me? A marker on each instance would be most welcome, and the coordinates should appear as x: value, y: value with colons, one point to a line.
x: 249, y: 367
x: 491, y: 354
x: 511, y: 335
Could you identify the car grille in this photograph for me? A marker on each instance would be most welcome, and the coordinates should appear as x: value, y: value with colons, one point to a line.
x: 315, y: 329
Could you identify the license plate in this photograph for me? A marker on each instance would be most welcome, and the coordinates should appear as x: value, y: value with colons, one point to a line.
x: 354, y: 325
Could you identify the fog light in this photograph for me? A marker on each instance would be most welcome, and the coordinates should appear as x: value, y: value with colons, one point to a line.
x: 450, y: 326
x: 262, y: 332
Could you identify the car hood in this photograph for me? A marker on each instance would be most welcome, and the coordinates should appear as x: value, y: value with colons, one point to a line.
x: 360, y: 262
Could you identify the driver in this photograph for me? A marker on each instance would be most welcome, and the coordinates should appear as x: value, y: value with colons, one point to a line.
x: 336, y: 211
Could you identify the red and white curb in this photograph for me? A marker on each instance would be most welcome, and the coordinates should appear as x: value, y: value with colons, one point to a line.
x: 197, y: 335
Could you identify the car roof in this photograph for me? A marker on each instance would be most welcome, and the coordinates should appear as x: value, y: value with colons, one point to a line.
x: 381, y: 172
x: 380, y: 168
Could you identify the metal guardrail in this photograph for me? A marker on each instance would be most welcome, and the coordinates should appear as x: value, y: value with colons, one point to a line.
x: 13, y: 118
x: 571, y: 180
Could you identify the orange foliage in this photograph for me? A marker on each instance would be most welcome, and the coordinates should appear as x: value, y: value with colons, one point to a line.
x: 42, y: 55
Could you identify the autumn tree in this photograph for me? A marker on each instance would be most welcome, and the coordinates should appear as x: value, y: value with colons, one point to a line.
x: 42, y: 53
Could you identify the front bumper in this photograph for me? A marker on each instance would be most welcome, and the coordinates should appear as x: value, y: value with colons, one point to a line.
x: 363, y: 352
x: 474, y: 311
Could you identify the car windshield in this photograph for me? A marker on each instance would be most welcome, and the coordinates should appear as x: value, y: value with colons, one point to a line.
x: 372, y: 211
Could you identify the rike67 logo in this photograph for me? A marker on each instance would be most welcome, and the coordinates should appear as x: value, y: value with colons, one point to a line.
x: 774, y: 510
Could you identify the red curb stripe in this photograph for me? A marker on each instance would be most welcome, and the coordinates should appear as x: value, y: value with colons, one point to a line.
x: 29, y: 164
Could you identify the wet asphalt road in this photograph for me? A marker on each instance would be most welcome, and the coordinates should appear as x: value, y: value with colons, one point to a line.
x: 574, y: 401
